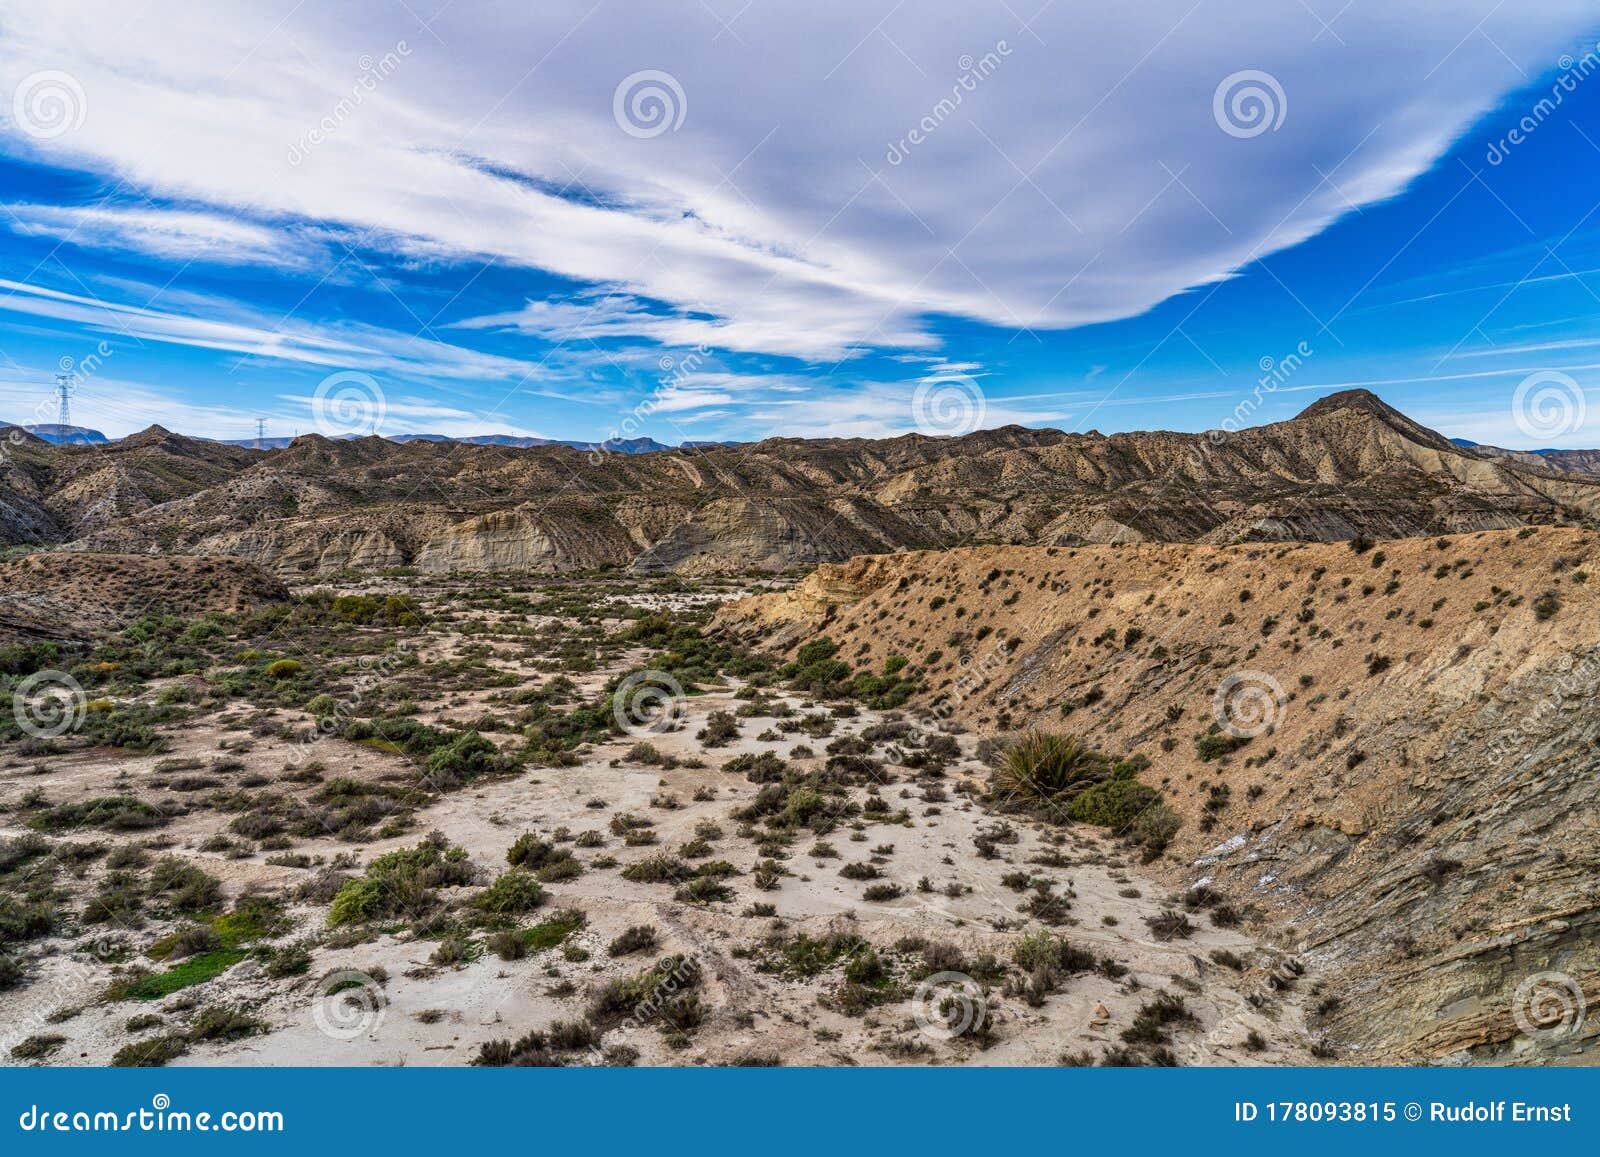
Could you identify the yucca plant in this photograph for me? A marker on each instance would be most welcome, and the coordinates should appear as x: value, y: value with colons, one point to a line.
x: 1045, y: 766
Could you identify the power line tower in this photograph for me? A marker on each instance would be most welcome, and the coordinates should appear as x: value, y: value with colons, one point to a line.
x: 64, y: 402
x: 261, y: 433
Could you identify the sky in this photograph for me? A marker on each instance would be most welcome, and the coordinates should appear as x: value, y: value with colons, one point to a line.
x: 738, y: 219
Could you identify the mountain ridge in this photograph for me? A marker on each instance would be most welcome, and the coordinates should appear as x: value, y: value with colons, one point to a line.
x: 1348, y: 465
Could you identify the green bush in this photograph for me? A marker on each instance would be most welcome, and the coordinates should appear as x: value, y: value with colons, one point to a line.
x: 466, y: 758
x: 1115, y: 803
x: 515, y: 891
x: 402, y: 882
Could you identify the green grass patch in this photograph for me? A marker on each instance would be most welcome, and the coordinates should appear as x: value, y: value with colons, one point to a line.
x: 195, y: 970
x: 552, y: 933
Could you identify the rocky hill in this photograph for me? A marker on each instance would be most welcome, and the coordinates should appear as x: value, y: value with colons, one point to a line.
x: 1385, y: 754
x: 72, y: 596
x: 1349, y: 465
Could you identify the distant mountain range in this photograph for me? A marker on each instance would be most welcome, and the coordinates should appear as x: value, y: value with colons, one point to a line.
x: 1565, y: 461
x: 1348, y: 465
x: 83, y: 436
x: 618, y: 446
x: 67, y: 435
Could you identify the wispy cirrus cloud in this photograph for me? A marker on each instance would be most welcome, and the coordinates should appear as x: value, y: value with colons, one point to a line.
x: 178, y: 235
x: 217, y: 324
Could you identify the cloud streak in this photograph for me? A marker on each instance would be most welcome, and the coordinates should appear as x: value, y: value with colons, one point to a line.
x: 1086, y: 180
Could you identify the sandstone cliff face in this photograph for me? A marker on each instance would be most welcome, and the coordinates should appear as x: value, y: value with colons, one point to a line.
x: 1412, y: 802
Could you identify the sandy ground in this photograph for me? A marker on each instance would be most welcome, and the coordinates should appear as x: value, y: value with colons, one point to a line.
x: 421, y: 1013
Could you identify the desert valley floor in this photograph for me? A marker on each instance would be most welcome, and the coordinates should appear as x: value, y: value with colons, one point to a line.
x: 190, y: 886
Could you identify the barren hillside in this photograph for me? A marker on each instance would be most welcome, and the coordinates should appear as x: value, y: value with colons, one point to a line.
x: 74, y: 596
x: 1387, y: 751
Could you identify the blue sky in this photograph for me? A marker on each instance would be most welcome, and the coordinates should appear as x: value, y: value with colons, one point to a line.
x: 860, y: 220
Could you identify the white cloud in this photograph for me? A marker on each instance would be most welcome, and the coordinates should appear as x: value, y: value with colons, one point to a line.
x: 882, y: 410
x: 403, y: 415
x: 675, y: 399
x: 1084, y: 179
x: 174, y: 234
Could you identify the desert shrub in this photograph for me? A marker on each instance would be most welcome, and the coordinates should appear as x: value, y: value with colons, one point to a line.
x: 1216, y: 743
x: 514, y: 891
x: 1154, y: 1017
x: 225, y: 1024
x: 38, y: 1046
x: 1115, y: 803
x: 151, y: 1053
x: 1045, y: 950
x: 644, y: 993
x: 23, y: 920
x: 1170, y: 925
x: 464, y: 759
x: 704, y: 890
x: 1154, y: 829
x: 636, y: 939
x: 193, y: 939
x: 815, y: 669
x: 186, y: 887
x: 660, y: 868
x: 402, y: 882
x: 119, y: 813
x: 553, y: 932
x: 721, y: 727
